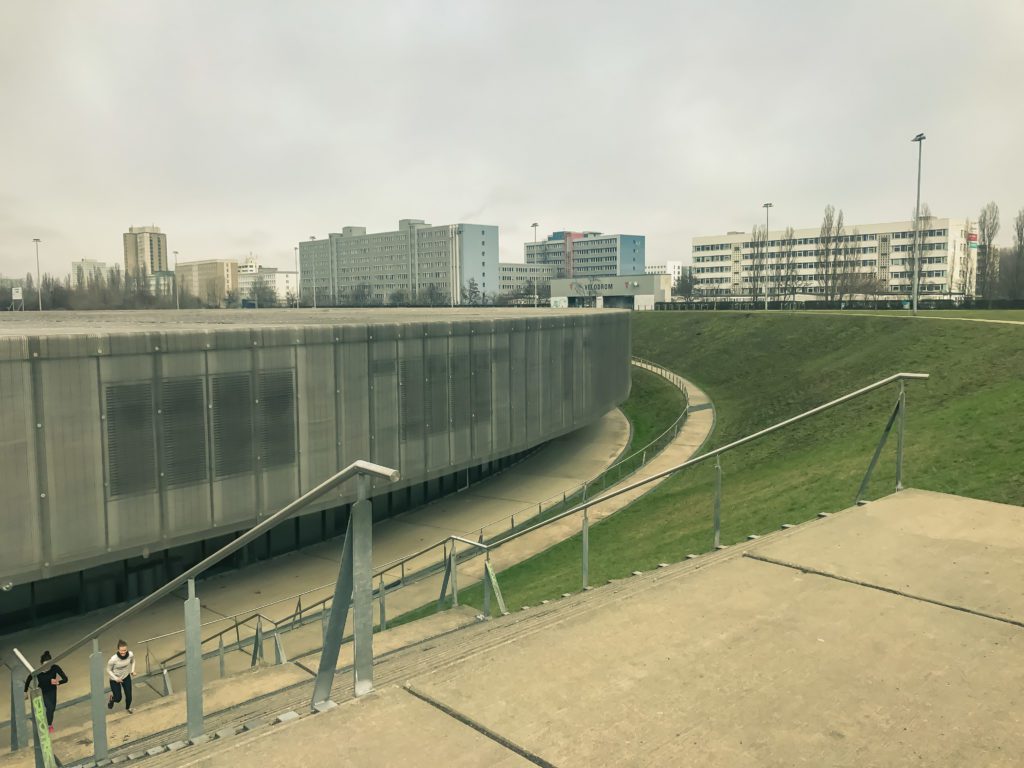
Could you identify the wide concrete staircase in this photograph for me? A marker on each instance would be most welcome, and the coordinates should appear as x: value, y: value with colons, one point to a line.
x: 838, y: 637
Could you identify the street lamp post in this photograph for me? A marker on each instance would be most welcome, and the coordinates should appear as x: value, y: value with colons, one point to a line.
x: 313, y: 260
x: 919, y: 139
x: 766, y: 206
x: 177, y: 293
x: 534, y: 225
x: 39, y: 284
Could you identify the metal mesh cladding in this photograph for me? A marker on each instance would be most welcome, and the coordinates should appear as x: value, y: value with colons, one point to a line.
x: 183, y: 431
x: 232, y: 424
x: 277, y: 418
x: 131, y: 448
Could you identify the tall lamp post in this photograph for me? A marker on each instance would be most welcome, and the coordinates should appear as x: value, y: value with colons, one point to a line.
x: 313, y: 261
x: 177, y: 293
x: 919, y: 139
x: 535, y: 225
x: 39, y: 284
x: 766, y: 206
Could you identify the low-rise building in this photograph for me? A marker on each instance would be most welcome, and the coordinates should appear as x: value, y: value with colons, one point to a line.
x: 619, y: 292
x: 673, y: 268
x: 861, y: 260
x: 283, y: 283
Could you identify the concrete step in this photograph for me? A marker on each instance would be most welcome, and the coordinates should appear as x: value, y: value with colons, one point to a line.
x: 433, y: 643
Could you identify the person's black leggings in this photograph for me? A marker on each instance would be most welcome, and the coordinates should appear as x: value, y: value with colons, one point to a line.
x: 50, y: 703
x: 115, y: 690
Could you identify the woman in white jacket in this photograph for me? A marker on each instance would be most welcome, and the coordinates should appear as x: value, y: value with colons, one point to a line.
x: 120, y: 669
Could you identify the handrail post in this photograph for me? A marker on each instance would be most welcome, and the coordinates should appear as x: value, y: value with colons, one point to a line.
x: 19, y: 729
x: 193, y: 664
x: 899, y: 436
x: 97, y: 687
x: 585, y: 558
x: 455, y: 575
x: 362, y: 587
x: 383, y: 605
x: 487, y: 589
x: 354, y: 586
x: 718, y: 503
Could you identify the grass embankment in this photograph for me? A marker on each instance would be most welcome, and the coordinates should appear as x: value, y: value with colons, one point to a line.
x: 964, y: 430
x: 1015, y: 315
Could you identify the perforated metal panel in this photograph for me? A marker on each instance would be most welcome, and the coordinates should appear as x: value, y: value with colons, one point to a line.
x: 183, y: 431
x: 277, y: 418
x: 410, y: 399
x: 232, y: 424
x: 131, y: 447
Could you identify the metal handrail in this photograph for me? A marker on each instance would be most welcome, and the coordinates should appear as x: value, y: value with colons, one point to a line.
x: 442, y: 543
x: 719, y: 451
x: 700, y: 459
x: 355, y: 468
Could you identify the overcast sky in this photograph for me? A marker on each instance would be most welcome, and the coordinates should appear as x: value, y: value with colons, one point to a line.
x: 247, y: 126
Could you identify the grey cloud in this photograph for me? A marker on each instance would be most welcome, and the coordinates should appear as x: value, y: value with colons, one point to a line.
x: 249, y: 126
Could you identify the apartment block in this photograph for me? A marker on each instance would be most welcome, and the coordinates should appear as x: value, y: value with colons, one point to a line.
x: 518, y: 278
x: 423, y: 262
x: 85, y: 270
x: 210, y: 280
x: 866, y: 258
x: 589, y: 254
x: 145, y: 251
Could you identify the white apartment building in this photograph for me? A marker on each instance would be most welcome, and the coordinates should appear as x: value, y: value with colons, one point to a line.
x: 671, y: 267
x: 429, y: 264
x: 285, y: 283
x: 589, y: 254
x: 145, y: 250
x: 873, y: 258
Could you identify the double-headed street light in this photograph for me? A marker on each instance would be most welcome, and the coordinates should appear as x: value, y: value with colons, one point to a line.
x: 919, y: 139
x: 766, y: 206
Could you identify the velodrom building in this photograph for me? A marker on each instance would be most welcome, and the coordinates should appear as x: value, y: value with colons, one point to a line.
x: 132, y: 444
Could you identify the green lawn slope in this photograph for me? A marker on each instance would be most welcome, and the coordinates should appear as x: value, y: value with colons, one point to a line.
x: 965, y: 430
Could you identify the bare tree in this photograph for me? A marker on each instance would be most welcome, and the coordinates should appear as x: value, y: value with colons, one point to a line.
x: 921, y: 220
x: 830, y: 255
x: 988, y: 259
x: 1014, y: 264
x: 685, y: 285
x: 758, y: 249
x: 789, y: 278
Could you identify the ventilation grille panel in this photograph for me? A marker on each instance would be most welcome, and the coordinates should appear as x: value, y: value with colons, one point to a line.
x: 131, y: 451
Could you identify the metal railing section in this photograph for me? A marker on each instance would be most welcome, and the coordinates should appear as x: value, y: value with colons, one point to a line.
x: 355, y: 569
x: 897, y: 417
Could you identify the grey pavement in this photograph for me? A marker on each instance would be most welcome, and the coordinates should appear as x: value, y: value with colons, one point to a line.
x: 827, y: 644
